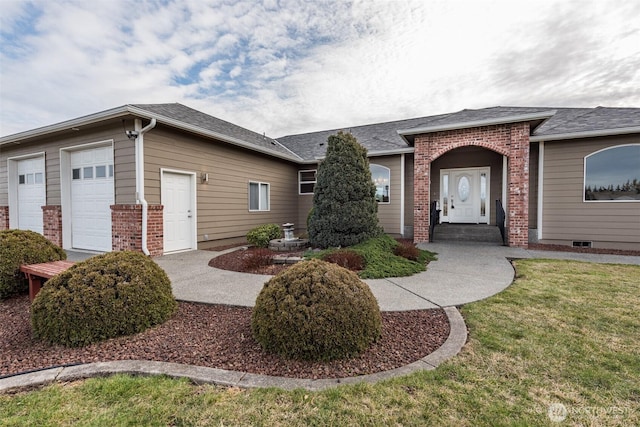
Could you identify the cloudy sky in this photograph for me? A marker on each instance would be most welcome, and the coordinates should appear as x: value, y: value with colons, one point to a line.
x: 285, y: 67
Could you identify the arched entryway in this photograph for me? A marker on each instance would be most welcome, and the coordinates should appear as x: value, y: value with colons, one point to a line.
x: 500, y: 152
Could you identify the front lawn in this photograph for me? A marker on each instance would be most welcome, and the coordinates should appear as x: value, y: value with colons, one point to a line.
x: 564, y: 336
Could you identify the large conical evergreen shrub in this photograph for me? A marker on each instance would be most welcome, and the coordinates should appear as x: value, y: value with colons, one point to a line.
x: 345, y: 211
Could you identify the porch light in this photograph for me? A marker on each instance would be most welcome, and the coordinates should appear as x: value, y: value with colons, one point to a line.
x: 204, y: 178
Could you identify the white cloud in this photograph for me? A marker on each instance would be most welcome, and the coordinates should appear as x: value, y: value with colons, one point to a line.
x: 293, y: 66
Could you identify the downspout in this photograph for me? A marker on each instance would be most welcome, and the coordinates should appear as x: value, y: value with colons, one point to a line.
x: 139, y: 150
x: 402, y: 190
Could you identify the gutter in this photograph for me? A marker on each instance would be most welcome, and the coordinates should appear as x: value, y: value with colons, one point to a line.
x: 586, y: 134
x: 379, y: 153
x: 139, y: 150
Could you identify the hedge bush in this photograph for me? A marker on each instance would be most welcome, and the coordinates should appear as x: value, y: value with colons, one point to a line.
x: 316, y: 310
x: 381, y: 260
x: 106, y: 296
x: 407, y: 250
x: 19, y: 247
x: 262, y: 234
x: 345, y: 258
x: 258, y: 258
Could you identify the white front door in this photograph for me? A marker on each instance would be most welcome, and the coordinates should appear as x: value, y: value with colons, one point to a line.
x: 178, y: 198
x: 31, y: 193
x: 464, y: 195
x: 92, y: 194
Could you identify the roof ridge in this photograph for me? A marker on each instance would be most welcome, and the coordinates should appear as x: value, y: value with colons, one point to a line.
x: 564, y: 122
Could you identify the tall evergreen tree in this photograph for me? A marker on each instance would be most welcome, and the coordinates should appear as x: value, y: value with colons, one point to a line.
x: 345, y: 211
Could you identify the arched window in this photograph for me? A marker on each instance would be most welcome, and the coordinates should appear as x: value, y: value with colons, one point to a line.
x: 613, y: 174
x: 381, y: 177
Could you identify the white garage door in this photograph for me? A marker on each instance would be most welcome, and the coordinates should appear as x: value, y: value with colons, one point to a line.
x: 92, y: 195
x: 31, y: 193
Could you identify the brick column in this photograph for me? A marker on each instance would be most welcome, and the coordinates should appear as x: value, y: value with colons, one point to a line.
x: 155, y: 230
x: 518, y: 175
x: 4, y: 217
x: 52, y: 223
x: 421, y: 184
x: 126, y: 228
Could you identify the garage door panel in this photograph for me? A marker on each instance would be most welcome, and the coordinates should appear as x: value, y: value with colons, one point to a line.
x: 92, y: 195
x: 31, y: 193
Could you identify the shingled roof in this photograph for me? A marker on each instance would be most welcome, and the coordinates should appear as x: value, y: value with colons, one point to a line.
x: 181, y: 114
x: 547, y: 123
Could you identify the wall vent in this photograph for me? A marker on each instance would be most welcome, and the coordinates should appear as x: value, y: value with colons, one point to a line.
x: 580, y: 244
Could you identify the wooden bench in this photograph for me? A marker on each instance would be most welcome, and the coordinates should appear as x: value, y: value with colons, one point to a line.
x: 39, y: 273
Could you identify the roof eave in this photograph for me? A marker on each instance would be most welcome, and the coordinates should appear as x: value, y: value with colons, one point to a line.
x: 129, y: 109
x: 478, y: 123
x: 585, y: 134
x: 211, y: 134
x: 378, y: 153
x: 66, y: 125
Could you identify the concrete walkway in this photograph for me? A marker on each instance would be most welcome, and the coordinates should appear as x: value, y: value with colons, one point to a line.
x: 463, y: 273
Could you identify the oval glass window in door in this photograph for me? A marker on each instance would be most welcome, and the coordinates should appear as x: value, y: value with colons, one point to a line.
x: 463, y: 188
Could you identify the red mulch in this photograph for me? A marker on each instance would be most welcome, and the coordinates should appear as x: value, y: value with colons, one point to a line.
x: 235, y: 261
x: 218, y: 336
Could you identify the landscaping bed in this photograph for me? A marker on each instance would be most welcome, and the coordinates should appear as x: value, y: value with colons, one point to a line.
x: 218, y: 336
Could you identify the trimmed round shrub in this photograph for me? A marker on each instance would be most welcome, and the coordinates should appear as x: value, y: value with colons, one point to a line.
x: 19, y: 247
x: 263, y: 234
x: 106, y: 296
x: 316, y: 310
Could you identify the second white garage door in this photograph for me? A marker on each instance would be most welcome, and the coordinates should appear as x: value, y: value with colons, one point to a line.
x: 92, y: 194
x: 31, y: 193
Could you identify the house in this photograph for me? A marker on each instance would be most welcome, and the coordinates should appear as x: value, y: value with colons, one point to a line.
x: 164, y: 178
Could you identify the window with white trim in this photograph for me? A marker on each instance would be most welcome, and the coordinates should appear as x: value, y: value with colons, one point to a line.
x: 381, y: 177
x: 92, y: 172
x: 258, y: 196
x: 306, y: 181
x: 613, y: 174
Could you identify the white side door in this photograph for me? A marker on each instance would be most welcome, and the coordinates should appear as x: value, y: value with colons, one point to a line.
x: 178, y: 198
x: 31, y: 195
x: 92, y: 194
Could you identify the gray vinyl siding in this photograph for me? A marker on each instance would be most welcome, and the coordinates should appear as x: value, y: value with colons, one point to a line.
x: 470, y: 157
x: 408, y: 190
x: 51, y: 145
x: 533, y: 185
x: 305, y: 203
x: 566, y: 217
x: 389, y: 213
x: 223, y: 203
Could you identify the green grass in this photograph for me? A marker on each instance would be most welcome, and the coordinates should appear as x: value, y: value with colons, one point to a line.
x: 380, y: 261
x: 565, y: 332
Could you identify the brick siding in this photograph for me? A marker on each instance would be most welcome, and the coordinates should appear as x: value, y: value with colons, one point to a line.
x: 126, y: 228
x: 52, y: 223
x: 511, y: 140
x: 4, y: 217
